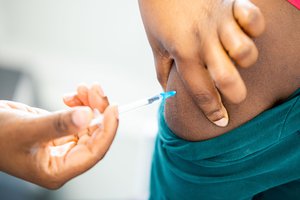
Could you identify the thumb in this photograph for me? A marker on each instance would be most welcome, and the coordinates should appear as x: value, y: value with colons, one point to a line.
x: 59, y: 124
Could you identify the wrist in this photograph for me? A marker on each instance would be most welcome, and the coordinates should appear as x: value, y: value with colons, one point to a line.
x: 10, y: 127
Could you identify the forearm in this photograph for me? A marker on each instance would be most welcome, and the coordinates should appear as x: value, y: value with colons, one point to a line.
x: 12, y: 141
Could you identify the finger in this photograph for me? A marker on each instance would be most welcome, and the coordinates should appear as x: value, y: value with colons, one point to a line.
x: 102, y: 140
x: 36, y: 110
x: 201, y: 87
x: 58, y: 124
x: 249, y: 17
x: 22, y: 107
x: 238, y: 45
x: 82, y: 93
x: 41, y: 111
x: 61, y: 150
x: 5, y: 104
x: 17, y: 105
x: 96, y: 98
x: 226, y: 77
x: 163, y: 66
x: 89, y: 150
x: 72, y: 100
x: 64, y: 140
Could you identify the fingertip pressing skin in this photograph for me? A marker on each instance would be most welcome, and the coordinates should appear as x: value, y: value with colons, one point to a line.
x: 249, y: 17
x: 225, y: 75
x: 182, y: 43
x: 224, y: 121
x: 201, y: 88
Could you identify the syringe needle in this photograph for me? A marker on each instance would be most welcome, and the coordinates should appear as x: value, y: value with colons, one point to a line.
x: 137, y: 104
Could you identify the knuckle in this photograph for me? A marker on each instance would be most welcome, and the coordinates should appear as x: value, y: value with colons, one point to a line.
x: 182, y: 50
x: 54, y: 185
x: 53, y: 182
x: 225, y: 80
x: 214, y: 114
x: 242, y: 52
x: 204, y: 98
x: 59, y: 124
x: 253, y: 15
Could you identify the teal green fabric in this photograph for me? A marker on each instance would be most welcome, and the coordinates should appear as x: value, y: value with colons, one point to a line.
x: 258, y: 160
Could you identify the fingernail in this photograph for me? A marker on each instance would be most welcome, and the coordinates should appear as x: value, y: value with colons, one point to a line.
x: 68, y: 97
x: 222, y: 122
x: 96, y: 86
x: 100, y: 91
x: 81, y: 117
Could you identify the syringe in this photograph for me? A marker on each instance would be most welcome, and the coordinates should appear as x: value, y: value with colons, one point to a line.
x: 136, y: 104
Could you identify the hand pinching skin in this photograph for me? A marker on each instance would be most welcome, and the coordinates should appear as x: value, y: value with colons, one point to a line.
x: 204, y: 39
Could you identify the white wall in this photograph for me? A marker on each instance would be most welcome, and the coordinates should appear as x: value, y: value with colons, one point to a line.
x: 65, y: 42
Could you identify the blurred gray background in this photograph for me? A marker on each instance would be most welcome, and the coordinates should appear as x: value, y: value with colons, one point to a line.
x: 48, y: 47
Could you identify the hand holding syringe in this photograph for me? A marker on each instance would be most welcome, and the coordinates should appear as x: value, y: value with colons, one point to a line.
x: 80, y: 148
x: 134, y: 105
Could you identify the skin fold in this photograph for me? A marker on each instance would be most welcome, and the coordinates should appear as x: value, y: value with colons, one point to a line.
x: 274, y: 77
x: 201, y: 37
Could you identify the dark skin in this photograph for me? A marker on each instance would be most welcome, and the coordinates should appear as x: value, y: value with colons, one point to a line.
x: 195, y: 35
x: 272, y: 79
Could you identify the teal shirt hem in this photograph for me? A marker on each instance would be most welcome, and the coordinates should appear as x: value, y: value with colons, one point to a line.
x: 255, y: 157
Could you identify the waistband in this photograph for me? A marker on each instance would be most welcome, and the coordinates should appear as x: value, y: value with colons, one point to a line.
x: 257, y: 135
